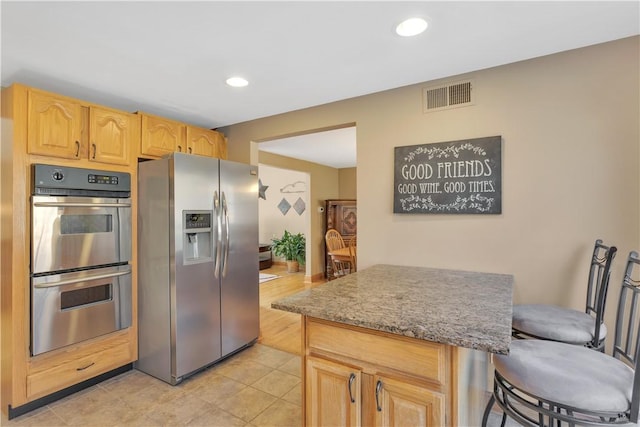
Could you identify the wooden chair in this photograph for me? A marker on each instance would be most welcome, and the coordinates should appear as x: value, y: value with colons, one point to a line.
x: 543, y: 383
x: 353, y: 256
x: 549, y: 322
x: 334, y: 240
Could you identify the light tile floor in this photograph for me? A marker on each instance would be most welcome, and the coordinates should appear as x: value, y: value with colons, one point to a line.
x: 259, y: 386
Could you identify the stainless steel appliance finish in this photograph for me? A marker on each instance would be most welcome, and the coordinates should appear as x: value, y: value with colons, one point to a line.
x: 198, y: 263
x: 80, y: 253
x: 75, y: 232
x: 75, y: 306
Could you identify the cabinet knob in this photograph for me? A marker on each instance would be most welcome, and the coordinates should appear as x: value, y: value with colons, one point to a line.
x: 180, y: 148
x: 378, y: 390
x: 352, y: 377
x: 94, y: 150
x: 77, y: 148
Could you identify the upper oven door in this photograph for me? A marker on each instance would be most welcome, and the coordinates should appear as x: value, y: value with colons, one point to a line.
x: 76, y: 232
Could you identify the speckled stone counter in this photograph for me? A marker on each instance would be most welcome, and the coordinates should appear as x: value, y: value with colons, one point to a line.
x: 460, y: 308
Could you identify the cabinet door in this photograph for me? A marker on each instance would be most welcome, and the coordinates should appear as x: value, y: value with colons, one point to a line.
x: 332, y: 394
x: 161, y: 136
x: 203, y: 142
x: 111, y: 135
x: 399, y: 403
x: 54, y: 126
x: 223, y: 147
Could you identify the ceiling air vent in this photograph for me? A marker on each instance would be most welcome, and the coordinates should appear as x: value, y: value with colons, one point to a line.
x: 436, y: 98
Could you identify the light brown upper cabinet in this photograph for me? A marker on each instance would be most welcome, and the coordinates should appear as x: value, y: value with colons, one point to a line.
x: 223, y: 147
x: 57, y: 126
x: 204, y: 142
x: 162, y: 136
x: 54, y: 125
x: 112, y: 134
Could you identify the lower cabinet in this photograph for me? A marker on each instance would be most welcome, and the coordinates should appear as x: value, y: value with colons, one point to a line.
x: 335, y: 395
x: 399, y: 403
x: 354, y: 376
x: 60, y: 369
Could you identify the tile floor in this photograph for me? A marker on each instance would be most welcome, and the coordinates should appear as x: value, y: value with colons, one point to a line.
x: 259, y: 386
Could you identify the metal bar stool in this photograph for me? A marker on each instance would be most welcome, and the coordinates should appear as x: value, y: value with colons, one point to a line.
x: 549, y: 322
x: 542, y: 383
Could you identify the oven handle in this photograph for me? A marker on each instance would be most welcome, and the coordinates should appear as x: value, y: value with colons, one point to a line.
x: 82, y: 205
x: 82, y: 279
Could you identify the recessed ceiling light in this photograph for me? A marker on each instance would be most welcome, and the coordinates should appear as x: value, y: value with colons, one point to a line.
x: 411, y: 27
x: 237, y: 82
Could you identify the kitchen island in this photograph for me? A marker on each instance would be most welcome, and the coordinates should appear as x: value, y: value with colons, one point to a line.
x: 398, y: 345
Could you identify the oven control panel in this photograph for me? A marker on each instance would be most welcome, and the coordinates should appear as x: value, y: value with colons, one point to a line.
x: 70, y: 181
x: 103, y: 179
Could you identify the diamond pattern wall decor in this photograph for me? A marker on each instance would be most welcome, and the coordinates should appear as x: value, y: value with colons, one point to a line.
x: 299, y: 206
x: 284, y: 206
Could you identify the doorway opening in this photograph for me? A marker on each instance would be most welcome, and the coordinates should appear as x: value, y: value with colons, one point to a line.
x: 328, y: 157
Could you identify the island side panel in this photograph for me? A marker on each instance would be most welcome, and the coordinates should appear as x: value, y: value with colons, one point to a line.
x: 472, y: 385
x: 303, y: 366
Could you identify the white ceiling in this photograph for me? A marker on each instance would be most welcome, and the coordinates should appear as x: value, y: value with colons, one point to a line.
x: 172, y: 58
x: 335, y: 148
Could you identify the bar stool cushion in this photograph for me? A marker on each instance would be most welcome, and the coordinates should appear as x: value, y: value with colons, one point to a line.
x: 567, y: 374
x: 555, y: 323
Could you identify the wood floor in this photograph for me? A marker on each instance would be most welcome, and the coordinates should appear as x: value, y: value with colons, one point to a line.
x: 281, y: 329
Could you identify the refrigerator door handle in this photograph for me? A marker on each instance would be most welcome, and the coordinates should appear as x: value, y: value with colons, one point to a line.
x: 217, y: 241
x: 225, y: 211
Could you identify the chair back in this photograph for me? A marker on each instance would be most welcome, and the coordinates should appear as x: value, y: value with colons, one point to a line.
x: 334, y: 240
x: 599, y: 275
x: 353, y: 256
x: 627, y: 340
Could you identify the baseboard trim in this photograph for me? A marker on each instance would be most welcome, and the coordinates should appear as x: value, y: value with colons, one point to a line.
x: 30, y: 406
x: 318, y: 277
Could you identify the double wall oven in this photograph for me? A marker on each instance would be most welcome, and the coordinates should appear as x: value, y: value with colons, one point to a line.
x: 80, y: 255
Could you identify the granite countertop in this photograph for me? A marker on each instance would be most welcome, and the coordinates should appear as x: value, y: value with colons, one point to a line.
x: 461, y: 308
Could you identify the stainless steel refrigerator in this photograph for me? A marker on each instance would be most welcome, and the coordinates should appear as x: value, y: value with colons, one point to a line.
x: 197, y: 263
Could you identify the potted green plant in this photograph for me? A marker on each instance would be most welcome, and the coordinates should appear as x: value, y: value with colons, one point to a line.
x: 292, y: 248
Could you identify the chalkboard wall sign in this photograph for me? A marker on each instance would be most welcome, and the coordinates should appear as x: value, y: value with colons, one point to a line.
x: 456, y: 177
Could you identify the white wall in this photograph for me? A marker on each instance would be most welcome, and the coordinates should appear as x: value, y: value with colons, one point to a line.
x: 283, y: 184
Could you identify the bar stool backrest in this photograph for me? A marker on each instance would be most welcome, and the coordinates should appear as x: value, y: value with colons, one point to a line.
x: 627, y: 340
x: 599, y: 275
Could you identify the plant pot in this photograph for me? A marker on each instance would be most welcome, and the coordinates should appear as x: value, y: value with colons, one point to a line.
x: 292, y: 266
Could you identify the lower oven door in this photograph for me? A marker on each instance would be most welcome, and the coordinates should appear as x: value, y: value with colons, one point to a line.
x: 72, y: 307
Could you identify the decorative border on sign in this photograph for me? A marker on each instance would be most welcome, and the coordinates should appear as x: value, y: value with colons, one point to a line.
x: 449, y: 151
x: 475, y: 201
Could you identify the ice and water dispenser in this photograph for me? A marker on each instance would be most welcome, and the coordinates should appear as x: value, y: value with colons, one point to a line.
x: 197, y: 237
